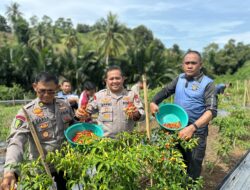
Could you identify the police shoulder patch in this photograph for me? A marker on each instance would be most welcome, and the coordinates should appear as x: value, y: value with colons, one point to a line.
x: 19, y: 120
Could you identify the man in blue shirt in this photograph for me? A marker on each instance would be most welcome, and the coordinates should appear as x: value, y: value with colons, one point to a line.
x: 67, y: 94
x: 195, y: 92
x: 220, y: 88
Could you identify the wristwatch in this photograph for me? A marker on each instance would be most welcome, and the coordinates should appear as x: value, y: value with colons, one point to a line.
x: 195, y: 126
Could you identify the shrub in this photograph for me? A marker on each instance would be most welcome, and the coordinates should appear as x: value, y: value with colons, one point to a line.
x: 9, y: 93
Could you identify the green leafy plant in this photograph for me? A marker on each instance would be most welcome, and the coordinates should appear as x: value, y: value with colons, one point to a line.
x: 128, y: 162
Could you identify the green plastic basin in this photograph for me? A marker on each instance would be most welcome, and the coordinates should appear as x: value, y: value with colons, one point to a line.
x: 71, y: 131
x: 171, y: 113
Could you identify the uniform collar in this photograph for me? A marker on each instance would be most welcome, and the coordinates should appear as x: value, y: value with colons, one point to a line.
x: 116, y: 95
x: 41, y: 104
x: 197, y: 78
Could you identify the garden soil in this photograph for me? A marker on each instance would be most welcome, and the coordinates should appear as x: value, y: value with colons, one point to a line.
x: 214, y: 174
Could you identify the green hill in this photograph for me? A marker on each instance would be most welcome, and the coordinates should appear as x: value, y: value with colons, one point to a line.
x: 242, y: 74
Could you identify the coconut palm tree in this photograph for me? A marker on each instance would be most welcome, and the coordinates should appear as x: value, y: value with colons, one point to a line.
x: 111, y: 37
x: 71, y: 39
x: 13, y: 14
x: 40, y: 37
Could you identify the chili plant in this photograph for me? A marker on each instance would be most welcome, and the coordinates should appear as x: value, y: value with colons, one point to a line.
x: 126, y: 163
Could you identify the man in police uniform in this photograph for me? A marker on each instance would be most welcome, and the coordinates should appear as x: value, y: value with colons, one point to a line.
x: 195, y: 92
x: 50, y: 117
x: 112, y: 102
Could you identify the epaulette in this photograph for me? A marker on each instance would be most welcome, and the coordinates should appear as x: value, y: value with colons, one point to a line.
x: 103, y: 90
x: 29, y: 104
x: 60, y: 98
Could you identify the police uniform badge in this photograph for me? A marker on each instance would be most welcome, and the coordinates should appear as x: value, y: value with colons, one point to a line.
x: 136, y: 98
x: 195, y: 87
x: 19, y: 120
x: 107, y: 116
x: 105, y: 100
x: 38, y: 112
x: 44, y: 125
x: 41, y: 104
x: 45, y: 134
x: 126, y: 98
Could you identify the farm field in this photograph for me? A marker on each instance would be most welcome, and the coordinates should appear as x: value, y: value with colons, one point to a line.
x: 227, y: 140
x: 220, y: 170
x: 81, y: 52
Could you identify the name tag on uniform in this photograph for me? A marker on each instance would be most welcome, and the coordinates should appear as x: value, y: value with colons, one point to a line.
x: 106, y: 109
x: 106, y: 116
x: 40, y: 120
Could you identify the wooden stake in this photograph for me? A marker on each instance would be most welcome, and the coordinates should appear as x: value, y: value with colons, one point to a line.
x: 145, y: 90
x: 248, y: 94
x: 245, y: 94
x: 12, y: 185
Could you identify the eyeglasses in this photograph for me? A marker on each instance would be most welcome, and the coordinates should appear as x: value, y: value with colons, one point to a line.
x: 190, y: 62
x: 43, y: 91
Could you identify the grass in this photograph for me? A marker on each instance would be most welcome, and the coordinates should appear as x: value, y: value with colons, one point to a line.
x: 7, y: 115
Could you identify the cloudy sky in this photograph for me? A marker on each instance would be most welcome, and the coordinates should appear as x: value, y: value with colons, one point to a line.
x: 190, y: 24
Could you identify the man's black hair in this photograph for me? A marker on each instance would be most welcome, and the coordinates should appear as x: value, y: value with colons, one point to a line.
x: 89, y: 86
x: 195, y: 52
x: 111, y: 68
x: 65, y: 80
x: 46, y: 77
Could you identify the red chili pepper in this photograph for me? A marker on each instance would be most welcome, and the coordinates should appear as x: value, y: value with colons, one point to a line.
x: 174, y: 125
x: 84, y: 137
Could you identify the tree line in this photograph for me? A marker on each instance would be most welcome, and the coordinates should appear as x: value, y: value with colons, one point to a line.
x: 84, y: 52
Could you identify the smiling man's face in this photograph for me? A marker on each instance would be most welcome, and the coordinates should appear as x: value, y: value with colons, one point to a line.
x: 115, y: 81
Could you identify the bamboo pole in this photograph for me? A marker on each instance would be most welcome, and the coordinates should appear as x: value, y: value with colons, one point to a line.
x: 171, y: 99
x: 145, y: 90
x: 245, y: 94
x: 248, y: 97
x: 12, y: 185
